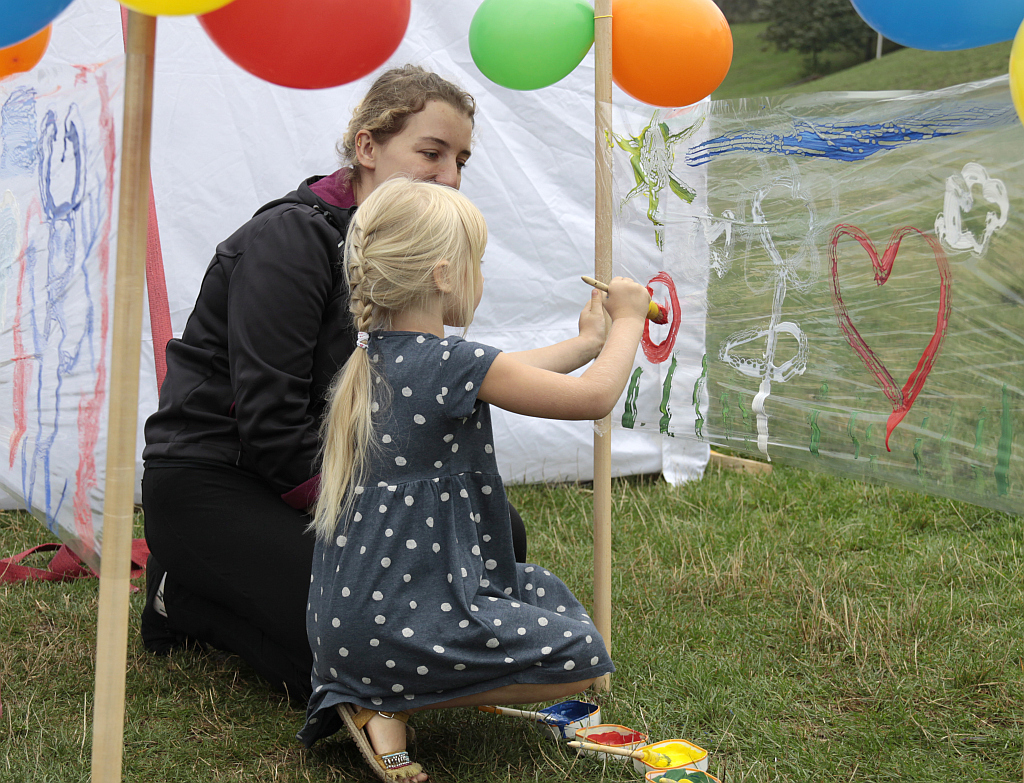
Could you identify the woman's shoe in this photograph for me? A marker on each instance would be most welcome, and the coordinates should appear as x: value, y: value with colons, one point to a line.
x: 157, y: 635
x: 389, y: 766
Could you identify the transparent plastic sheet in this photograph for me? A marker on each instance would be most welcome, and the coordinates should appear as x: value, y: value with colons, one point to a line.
x: 862, y: 282
x: 59, y: 142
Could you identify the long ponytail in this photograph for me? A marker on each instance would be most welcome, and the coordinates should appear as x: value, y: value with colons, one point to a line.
x: 347, y: 430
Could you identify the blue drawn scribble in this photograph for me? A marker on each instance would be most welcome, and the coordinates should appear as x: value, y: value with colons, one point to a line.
x: 18, y: 132
x: 62, y: 160
x: 853, y: 142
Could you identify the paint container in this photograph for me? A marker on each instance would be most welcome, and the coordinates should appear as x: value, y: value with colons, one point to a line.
x: 681, y: 774
x: 567, y: 716
x: 680, y: 753
x: 614, y: 736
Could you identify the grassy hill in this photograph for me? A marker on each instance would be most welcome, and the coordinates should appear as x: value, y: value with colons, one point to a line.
x: 758, y: 69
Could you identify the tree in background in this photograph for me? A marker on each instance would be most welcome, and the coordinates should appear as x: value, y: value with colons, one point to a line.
x: 813, y: 27
x: 739, y: 11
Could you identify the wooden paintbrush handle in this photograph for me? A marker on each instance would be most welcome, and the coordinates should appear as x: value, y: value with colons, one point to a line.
x: 653, y: 309
x: 511, y: 711
x: 606, y: 749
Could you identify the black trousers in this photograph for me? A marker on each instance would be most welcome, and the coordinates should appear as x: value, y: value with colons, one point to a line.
x: 237, y: 562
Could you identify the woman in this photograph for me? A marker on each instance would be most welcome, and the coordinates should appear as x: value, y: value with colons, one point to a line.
x: 231, y: 453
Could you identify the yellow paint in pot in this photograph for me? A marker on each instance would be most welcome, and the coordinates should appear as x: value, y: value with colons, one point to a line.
x: 680, y: 754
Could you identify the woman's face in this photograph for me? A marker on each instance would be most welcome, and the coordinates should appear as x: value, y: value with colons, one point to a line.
x: 433, y: 146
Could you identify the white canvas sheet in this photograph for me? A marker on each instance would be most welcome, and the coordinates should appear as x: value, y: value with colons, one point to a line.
x: 225, y: 142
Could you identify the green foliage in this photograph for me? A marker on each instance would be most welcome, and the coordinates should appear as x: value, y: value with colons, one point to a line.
x: 739, y: 11
x: 813, y: 27
x: 759, y: 68
x: 798, y: 626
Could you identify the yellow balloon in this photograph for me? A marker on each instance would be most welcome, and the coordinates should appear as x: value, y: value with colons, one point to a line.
x: 1017, y: 72
x: 174, y: 7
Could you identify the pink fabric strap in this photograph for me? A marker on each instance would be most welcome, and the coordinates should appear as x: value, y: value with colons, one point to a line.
x: 65, y: 565
x: 156, y: 283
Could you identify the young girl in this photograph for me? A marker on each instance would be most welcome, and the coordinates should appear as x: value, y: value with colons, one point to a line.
x: 416, y: 601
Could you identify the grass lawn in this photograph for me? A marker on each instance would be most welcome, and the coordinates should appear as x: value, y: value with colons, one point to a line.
x: 758, y: 69
x: 913, y: 69
x: 800, y: 627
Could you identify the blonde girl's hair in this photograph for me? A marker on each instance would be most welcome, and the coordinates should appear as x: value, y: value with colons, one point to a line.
x: 397, y: 95
x: 399, y: 235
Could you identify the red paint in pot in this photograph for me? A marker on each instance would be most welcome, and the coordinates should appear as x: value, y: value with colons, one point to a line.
x: 615, y: 738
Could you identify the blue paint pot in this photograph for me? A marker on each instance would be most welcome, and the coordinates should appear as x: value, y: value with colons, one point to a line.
x: 567, y: 716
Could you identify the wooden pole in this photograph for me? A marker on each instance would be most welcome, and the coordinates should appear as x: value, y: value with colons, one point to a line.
x: 115, y: 564
x: 603, y: 272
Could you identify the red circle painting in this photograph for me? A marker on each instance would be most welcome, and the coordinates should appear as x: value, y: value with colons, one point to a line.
x: 656, y: 353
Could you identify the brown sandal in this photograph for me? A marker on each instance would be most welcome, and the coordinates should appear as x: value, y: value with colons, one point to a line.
x: 389, y: 766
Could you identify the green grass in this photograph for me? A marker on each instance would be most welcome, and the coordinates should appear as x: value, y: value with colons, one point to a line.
x: 759, y: 70
x: 912, y: 69
x: 800, y: 627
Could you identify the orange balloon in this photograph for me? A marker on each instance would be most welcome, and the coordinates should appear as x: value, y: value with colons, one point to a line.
x: 24, y: 55
x: 669, y: 52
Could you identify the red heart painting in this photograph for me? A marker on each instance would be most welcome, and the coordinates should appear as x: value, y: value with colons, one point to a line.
x: 902, y: 399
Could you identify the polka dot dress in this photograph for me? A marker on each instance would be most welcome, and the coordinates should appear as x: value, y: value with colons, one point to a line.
x: 417, y: 598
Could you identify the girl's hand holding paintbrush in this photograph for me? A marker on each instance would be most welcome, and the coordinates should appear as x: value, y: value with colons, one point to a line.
x: 594, y: 324
x: 655, y: 312
x: 571, y: 354
x: 626, y: 298
x: 515, y: 387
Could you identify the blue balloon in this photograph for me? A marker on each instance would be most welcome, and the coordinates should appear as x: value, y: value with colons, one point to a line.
x: 943, y: 25
x: 21, y: 19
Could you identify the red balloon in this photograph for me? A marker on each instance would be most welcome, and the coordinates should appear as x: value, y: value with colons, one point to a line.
x: 308, y: 43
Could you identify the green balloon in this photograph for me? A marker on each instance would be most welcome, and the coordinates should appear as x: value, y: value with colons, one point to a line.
x: 529, y: 44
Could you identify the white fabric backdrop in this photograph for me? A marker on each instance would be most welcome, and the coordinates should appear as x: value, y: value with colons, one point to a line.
x: 225, y: 142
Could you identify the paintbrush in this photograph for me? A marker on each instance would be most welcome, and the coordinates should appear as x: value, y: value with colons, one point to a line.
x: 651, y: 758
x: 541, y: 716
x: 655, y: 312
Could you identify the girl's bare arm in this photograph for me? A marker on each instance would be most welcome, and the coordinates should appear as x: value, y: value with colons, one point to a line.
x: 573, y: 353
x: 535, y: 391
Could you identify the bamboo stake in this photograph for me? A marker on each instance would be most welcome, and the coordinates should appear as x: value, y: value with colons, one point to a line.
x: 115, y: 567
x: 603, y: 272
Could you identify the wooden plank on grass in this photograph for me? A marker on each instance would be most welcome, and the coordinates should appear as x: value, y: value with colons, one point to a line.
x: 740, y: 464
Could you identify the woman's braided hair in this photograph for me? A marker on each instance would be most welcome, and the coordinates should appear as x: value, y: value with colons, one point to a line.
x: 403, y: 236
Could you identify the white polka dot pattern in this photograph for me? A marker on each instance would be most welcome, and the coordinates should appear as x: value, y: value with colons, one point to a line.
x: 397, y: 632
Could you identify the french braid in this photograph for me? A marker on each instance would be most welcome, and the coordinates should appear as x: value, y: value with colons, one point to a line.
x: 398, y: 238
